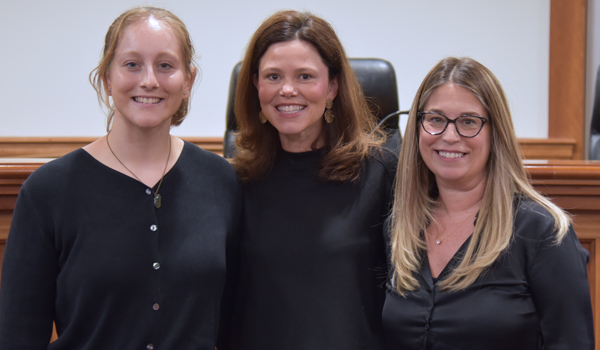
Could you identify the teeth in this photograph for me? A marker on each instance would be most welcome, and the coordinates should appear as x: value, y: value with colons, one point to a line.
x: 290, y: 109
x: 451, y: 154
x: 146, y: 100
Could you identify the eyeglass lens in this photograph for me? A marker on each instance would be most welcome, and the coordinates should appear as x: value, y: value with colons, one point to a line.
x: 466, y: 125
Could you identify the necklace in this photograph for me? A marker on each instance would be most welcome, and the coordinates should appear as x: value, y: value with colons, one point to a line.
x: 439, y: 240
x: 157, y: 196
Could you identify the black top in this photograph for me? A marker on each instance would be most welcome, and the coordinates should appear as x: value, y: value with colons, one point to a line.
x: 535, y: 296
x: 313, y: 257
x: 88, y: 249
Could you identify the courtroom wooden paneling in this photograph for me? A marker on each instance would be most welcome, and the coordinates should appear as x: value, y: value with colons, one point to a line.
x: 566, y: 95
x: 575, y: 187
x: 54, y: 147
x: 556, y: 148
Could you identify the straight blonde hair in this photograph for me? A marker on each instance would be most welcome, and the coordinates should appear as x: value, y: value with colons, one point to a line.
x: 416, y: 190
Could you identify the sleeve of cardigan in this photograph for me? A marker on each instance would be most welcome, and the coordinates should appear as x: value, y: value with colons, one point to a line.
x: 28, y: 285
x: 560, y: 290
x: 231, y: 283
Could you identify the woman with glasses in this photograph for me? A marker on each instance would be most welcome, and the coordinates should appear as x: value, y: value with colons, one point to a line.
x: 479, y: 259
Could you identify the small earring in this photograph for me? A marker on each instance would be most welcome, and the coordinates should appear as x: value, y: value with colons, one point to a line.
x: 328, y: 112
x: 262, y: 118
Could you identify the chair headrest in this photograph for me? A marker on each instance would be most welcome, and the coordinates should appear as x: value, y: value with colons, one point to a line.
x: 378, y: 81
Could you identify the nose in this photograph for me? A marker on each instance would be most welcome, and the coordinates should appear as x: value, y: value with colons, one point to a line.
x: 149, y: 80
x: 287, y: 89
x: 451, y: 135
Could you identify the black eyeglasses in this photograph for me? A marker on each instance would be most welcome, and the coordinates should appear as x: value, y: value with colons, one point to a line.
x: 435, y: 123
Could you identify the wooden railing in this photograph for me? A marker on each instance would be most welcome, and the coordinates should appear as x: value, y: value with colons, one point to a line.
x: 54, y: 147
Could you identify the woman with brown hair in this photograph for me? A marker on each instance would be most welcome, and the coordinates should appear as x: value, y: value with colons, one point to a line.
x: 115, y: 242
x: 480, y: 260
x: 317, y: 187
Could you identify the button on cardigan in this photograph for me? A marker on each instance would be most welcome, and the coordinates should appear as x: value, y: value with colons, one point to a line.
x: 88, y: 250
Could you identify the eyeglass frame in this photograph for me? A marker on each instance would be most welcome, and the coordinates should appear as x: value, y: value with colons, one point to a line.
x: 451, y: 121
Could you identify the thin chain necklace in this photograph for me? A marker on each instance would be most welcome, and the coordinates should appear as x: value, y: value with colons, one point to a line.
x: 439, y: 240
x: 157, y: 196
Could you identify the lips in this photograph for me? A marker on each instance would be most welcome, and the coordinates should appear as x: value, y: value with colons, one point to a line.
x: 147, y: 100
x: 450, y: 155
x: 289, y: 109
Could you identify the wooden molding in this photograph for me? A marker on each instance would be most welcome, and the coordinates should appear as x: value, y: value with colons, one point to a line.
x: 556, y: 148
x: 566, y: 96
x: 54, y: 147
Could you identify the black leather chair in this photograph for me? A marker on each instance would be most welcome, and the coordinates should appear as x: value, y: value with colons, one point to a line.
x: 595, y: 128
x: 378, y: 81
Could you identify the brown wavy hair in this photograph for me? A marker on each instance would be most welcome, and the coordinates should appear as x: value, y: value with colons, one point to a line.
x: 98, y: 76
x: 347, y: 139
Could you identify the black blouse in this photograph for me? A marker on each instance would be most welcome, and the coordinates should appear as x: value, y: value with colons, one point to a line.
x: 535, y: 296
x: 313, y: 257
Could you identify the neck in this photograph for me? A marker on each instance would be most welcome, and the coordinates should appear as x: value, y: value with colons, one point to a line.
x: 299, y: 143
x: 136, y: 146
x: 454, y: 201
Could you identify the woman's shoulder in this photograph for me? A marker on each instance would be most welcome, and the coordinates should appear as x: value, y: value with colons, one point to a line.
x: 206, y: 162
x: 533, y: 221
x: 384, y: 157
x: 60, y: 169
x: 201, y: 155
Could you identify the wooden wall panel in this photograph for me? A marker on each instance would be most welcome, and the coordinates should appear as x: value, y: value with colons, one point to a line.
x: 566, y: 99
x: 54, y: 147
x: 557, y: 148
x: 575, y: 187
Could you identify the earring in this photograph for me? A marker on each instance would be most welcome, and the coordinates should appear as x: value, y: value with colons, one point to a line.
x: 262, y: 118
x: 328, y: 112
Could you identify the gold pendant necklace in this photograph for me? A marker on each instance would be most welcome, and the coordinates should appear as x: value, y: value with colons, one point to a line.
x: 157, y: 196
x: 439, y: 240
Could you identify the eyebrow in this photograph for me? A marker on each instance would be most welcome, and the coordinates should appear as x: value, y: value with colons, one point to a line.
x: 439, y: 111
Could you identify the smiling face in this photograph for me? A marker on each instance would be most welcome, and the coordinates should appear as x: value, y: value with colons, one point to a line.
x: 147, y: 76
x: 293, y: 87
x: 456, y: 161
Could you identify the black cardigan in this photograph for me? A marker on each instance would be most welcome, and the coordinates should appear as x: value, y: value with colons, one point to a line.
x: 88, y: 250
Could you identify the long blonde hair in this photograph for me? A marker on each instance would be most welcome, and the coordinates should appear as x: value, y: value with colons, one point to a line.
x: 415, y: 194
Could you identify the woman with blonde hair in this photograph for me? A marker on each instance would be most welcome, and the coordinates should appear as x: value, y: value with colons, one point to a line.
x: 479, y: 259
x: 317, y: 188
x: 115, y: 242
